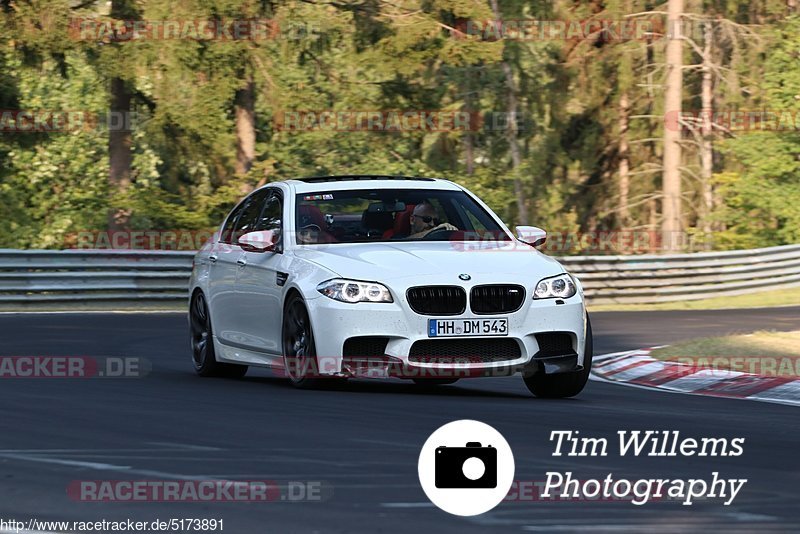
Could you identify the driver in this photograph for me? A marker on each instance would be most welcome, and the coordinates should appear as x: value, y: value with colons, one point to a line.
x: 424, y: 221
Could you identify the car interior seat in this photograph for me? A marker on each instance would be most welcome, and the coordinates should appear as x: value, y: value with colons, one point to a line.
x: 377, y: 221
x: 402, y: 223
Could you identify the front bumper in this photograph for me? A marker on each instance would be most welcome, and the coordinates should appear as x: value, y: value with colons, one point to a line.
x: 335, y: 322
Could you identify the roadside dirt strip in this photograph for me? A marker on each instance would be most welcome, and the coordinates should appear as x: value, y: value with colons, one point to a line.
x: 637, y: 368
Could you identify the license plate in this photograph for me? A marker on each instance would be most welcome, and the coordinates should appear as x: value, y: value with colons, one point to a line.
x: 467, y: 327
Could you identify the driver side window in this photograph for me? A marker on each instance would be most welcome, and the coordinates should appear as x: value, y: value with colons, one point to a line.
x: 251, y: 209
x: 271, y: 218
x: 227, y: 231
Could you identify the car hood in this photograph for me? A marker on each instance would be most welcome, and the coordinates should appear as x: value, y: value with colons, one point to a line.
x: 384, y: 261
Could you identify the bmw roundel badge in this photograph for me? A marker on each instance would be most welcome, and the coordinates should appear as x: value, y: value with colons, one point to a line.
x: 464, y: 276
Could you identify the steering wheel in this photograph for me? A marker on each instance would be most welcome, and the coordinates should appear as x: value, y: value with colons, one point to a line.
x: 439, y: 235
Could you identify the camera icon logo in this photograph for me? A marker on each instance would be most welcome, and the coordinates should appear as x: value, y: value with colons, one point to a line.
x: 472, y: 466
x: 466, y: 467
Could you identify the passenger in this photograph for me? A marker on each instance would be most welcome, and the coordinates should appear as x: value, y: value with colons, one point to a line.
x: 308, y: 235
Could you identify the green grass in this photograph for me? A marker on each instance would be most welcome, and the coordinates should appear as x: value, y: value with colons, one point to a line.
x: 763, y: 353
x: 765, y: 299
x: 78, y: 307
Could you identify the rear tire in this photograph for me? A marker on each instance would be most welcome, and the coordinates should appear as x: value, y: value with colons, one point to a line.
x: 563, y: 385
x: 299, y: 349
x: 202, y: 343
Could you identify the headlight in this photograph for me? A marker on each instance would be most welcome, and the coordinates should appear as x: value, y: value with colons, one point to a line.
x: 556, y: 287
x: 353, y: 291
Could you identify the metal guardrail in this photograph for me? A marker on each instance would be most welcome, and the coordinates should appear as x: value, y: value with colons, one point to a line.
x: 656, y: 278
x: 36, y: 278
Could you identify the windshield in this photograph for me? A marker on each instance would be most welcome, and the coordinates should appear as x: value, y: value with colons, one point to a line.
x: 392, y: 215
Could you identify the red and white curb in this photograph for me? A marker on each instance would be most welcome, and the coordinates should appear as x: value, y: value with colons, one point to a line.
x: 636, y: 368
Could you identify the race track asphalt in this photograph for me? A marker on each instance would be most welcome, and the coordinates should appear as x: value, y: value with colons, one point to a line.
x: 362, y: 440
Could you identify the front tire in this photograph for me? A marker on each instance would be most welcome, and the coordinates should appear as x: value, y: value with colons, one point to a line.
x: 299, y: 348
x: 202, y: 339
x: 563, y: 385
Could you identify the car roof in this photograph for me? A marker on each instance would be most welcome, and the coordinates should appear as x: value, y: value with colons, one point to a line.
x: 368, y: 181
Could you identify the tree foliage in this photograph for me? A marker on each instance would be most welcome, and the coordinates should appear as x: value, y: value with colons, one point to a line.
x: 370, y: 55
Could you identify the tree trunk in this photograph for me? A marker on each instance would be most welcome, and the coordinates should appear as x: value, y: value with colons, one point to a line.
x: 652, y: 223
x: 671, y: 181
x: 469, y: 139
x: 469, y: 154
x: 624, y: 160
x: 706, y: 145
x: 120, y: 140
x: 120, y: 157
x: 513, y: 142
x: 512, y: 132
x: 245, y: 102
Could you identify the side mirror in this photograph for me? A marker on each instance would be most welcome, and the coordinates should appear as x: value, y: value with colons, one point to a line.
x: 532, y: 235
x: 261, y: 241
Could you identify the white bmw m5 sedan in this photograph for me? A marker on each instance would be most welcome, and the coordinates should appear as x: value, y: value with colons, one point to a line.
x: 337, y: 277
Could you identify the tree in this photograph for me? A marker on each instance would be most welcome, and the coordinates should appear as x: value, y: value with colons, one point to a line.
x: 584, y: 153
x: 760, y: 188
x: 513, y: 143
x: 671, y: 223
